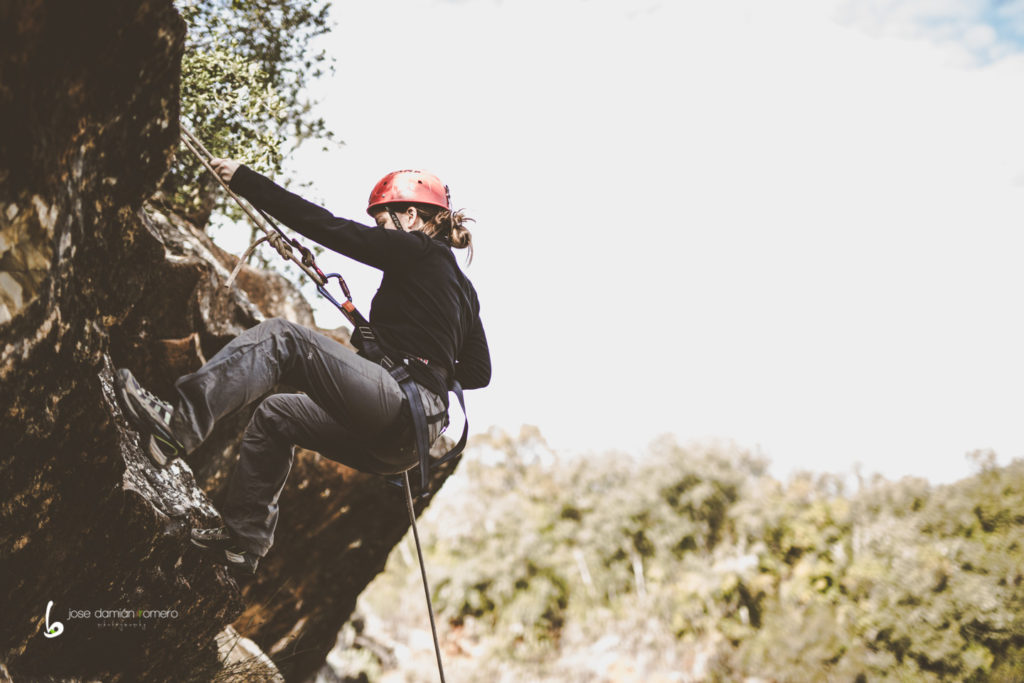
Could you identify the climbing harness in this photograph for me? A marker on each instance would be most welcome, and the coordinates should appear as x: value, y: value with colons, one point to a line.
x: 287, y: 246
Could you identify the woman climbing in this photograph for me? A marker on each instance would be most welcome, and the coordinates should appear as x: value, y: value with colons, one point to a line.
x: 425, y: 314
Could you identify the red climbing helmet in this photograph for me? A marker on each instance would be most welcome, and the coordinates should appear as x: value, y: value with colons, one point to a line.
x: 409, y: 186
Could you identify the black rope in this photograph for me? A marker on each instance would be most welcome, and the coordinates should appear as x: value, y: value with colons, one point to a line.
x: 423, y: 573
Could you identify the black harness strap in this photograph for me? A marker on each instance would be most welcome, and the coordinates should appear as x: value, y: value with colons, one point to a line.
x: 419, y: 419
x: 456, y: 450
x: 458, y: 447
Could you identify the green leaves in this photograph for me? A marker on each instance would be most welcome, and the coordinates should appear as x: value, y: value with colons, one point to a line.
x: 244, y: 71
x: 698, y: 549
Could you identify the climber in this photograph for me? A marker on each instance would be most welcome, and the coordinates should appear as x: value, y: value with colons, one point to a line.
x: 352, y: 410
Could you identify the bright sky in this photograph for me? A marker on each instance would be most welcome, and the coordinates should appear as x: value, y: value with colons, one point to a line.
x: 795, y: 224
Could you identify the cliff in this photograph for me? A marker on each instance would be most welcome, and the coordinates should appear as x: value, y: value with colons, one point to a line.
x: 93, y: 278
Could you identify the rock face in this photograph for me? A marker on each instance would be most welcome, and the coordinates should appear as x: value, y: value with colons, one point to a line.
x: 91, y: 279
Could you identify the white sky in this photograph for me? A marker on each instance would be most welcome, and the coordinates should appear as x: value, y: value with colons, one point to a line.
x: 795, y: 224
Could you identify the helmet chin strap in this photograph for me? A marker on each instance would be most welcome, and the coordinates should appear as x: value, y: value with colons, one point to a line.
x: 394, y: 219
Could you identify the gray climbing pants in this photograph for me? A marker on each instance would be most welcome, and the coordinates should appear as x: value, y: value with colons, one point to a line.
x: 348, y: 403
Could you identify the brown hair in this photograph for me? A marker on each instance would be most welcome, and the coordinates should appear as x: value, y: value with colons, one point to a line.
x: 443, y: 224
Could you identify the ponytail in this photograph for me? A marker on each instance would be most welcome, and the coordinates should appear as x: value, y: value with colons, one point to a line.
x: 454, y: 226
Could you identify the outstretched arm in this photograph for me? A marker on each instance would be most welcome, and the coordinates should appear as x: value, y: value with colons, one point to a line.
x: 383, y: 249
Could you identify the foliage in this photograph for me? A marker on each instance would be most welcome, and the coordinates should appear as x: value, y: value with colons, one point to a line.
x: 695, y: 560
x: 244, y: 73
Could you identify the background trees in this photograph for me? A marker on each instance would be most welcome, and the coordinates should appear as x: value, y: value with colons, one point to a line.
x: 694, y: 559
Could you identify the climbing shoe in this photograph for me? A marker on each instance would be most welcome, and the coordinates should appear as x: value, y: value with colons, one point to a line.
x: 222, y: 546
x: 151, y: 416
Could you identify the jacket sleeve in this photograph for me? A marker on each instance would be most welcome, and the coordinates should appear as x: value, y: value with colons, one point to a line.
x: 473, y: 366
x: 376, y: 247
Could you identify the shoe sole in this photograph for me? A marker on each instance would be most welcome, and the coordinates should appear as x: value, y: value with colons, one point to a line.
x: 199, y: 543
x: 232, y: 560
x: 155, y: 453
x: 156, y: 456
x: 229, y: 559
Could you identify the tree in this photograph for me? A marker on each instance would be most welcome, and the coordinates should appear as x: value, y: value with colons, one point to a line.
x: 245, y: 71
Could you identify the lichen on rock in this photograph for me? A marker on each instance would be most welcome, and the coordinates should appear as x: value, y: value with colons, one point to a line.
x: 26, y: 237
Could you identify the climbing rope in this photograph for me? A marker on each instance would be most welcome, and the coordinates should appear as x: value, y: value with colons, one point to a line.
x: 286, y: 247
x: 277, y: 239
x: 423, y: 573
